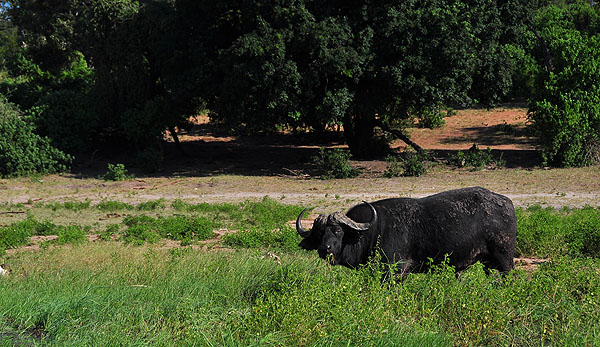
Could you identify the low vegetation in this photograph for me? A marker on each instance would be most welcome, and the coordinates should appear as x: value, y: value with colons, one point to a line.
x: 475, y: 158
x: 267, y: 291
x: 333, y: 163
x: 406, y: 164
x: 147, y: 296
x: 116, y: 172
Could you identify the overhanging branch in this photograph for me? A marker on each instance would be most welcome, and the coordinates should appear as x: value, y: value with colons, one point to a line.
x: 401, y: 136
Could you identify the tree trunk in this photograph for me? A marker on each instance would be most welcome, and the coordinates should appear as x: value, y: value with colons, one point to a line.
x: 176, y: 140
x: 360, y: 136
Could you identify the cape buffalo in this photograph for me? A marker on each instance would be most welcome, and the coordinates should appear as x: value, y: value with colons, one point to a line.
x: 469, y: 225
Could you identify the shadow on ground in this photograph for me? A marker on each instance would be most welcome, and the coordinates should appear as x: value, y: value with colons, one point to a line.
x: 209, y: 153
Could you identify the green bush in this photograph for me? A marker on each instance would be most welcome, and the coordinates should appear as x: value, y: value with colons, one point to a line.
x: 14, y: 235
x: 70, y: 234
x: 333, y: 163
x: 66, y: 117
x: 431, y: 117
x: 394, y: 168
x: 546, y: 232
x: 22, y: 151
x: 565, y: 111
x: 410, y: 164
x: 474, y: 158
x: 116, y: 172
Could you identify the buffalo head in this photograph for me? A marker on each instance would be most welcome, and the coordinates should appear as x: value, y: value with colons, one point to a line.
x: 329, y: 231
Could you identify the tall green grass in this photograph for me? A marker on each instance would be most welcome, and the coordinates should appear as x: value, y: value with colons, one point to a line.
x: 181, y: 228
x: 113, y: 294
x: 545, y: 232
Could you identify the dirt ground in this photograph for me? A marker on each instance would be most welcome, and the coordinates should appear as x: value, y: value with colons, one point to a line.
x: 220, y: 168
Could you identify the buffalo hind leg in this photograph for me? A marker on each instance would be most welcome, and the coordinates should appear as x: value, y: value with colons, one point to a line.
x: 501, y: 261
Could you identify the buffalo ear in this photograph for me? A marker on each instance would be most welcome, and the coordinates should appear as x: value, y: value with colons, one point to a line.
x: 309, y: 244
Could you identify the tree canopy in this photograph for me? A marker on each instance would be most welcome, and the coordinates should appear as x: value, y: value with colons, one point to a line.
x: 89, y: 73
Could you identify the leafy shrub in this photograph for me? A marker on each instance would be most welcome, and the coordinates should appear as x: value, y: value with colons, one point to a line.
x: 116, y: 172
x: 70, y: 234
x: 22, y: 151
x: 565, y: 111
x: 474, y: 157
x: 410, y: 164
x: 431, y: 117
x: 333, y: 163
x: 394, y: 168
x: 139, y: 233
x: 18, y: 233
x: 545, y: 232
x: 14, y: 235
x: 66, y: 117
x: 187, y: 229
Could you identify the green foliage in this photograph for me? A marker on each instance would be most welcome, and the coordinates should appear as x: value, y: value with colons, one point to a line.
x: 142, y: 229
x: 474, y: 158
x: 66, y: 117
x: 285, y: 238
x: 410, y: 164
x: 70, y: 234
x: 22, y: 151
x: 312, y: 64
x: 545, y: 232
x: 565, y: 110
x: 116, y: 172
x: 430, y: 117
x: 394, y: 168
x: 159, y: 297
x: 266, y: 214
x: 14, y: 235
x: 333, y: 163
x: 110, y: 232
x: 18, y: 233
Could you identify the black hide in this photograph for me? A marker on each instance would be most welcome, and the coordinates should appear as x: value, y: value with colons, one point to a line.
x: 469, y: 225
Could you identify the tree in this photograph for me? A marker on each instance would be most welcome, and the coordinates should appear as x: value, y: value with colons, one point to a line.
x: 565, y: 111
x: 366, y: 65
x: 104, y: 70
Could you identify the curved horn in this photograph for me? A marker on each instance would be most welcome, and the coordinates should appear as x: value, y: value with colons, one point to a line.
x: 342, y: 218
x: 303, y: 232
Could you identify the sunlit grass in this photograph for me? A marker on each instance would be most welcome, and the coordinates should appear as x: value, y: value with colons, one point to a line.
x: 113, y: 294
